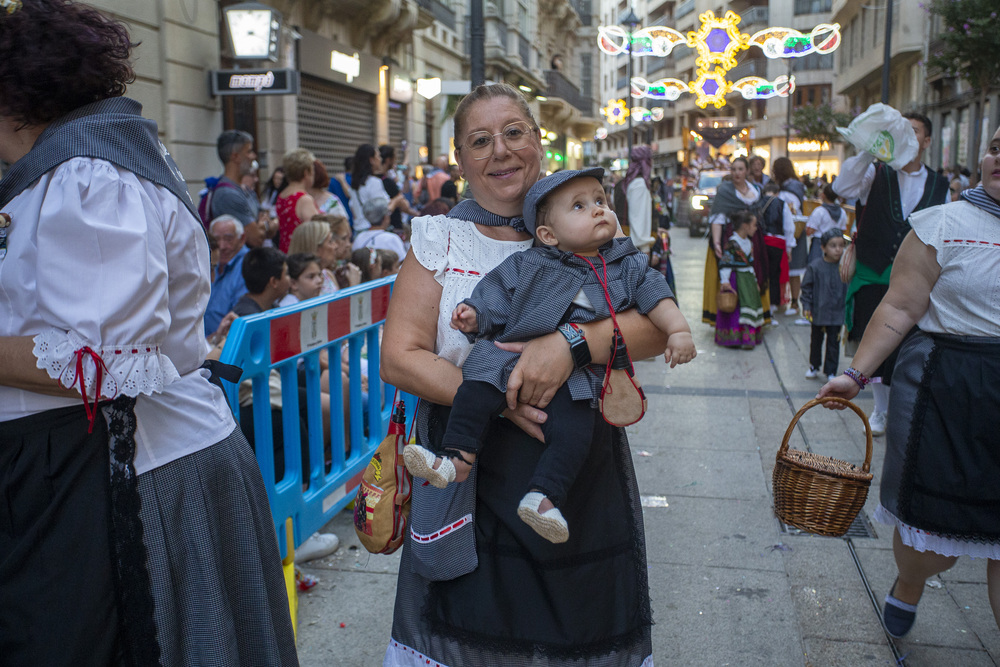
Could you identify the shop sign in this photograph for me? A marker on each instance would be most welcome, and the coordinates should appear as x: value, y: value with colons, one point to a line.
x: 327, y: 59
x: 254, y: 82
x: 808, y: 146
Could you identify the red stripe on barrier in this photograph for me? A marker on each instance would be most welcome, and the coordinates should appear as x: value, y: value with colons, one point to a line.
x: 338, y: 323
x: 285, y: 339
x: 380, y: 303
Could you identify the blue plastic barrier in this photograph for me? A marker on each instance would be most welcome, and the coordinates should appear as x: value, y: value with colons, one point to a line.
x: 285, y: 339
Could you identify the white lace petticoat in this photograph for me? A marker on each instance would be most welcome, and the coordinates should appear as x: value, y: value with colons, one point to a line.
x: 921, y: 540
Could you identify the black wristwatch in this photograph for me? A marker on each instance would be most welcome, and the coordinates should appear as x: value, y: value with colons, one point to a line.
x: 577, y: 344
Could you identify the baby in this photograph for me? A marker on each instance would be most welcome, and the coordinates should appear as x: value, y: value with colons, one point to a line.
x: 578, y: 264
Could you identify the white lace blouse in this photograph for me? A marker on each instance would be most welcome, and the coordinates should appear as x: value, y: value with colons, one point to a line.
x: 965, y: 300
x: 459, y: 255
x: 99, y: 258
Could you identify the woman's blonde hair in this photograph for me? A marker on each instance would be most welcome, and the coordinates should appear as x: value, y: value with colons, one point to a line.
x: 308, y: 236
x: 296, y: 163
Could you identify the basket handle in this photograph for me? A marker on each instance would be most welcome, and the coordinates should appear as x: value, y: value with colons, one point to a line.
x: 827, y: 399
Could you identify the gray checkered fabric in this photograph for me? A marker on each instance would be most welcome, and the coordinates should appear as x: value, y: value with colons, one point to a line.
x: 112, y: 130
x: 218, y: 589
x: 531, y: 293
x: 432, y: 509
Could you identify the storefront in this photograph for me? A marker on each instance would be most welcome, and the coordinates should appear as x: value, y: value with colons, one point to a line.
x: 337, y: 106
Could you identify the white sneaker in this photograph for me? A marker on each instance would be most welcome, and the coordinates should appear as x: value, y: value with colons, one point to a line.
x: 791, y: 311
x: 831, y: 377
x: 811, y: 373
x: 319, y: 545
x: 803, y: 322
x: 877, y: 422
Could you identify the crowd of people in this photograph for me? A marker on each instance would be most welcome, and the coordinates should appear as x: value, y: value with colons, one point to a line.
x: 146, y: 500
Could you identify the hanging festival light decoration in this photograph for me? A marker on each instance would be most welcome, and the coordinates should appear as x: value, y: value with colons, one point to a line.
x: 718, y: 41
x: 616, y: 112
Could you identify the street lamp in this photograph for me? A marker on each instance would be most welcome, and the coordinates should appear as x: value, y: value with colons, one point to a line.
x: 630, y: 22
x: 253, y: 31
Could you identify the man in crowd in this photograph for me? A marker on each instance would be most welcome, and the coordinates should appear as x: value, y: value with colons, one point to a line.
x: 227, y: 282
x: 228, y: 197
x: 886, y: 198
x: 757, y: 174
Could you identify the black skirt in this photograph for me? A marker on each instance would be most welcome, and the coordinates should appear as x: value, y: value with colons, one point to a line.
x: 581, y: 603
x: 210, y: 558
x: 942, y: 457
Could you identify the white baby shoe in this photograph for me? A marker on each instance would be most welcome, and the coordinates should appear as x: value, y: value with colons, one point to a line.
x: 420, y: 462
x: 551, y: 525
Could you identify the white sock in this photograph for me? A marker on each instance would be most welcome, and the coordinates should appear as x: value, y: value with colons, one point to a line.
x: 880, y: 393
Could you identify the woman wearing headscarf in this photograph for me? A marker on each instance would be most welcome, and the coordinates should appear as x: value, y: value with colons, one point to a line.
x: 734, y: 194
x: 640, y: 201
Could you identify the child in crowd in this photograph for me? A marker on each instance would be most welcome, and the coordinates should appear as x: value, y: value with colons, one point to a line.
x: 744, y: 326
x: 375, y: 264
x: 266, y: 276
x: 578, y: 272
x: 306, y: 278
x: 823, y: 298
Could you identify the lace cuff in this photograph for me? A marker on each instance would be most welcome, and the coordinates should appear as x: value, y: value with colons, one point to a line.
x: 128, y: 370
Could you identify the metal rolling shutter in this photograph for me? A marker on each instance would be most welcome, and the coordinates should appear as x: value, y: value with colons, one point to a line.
x: 334, y: 120
x: 397, y: 125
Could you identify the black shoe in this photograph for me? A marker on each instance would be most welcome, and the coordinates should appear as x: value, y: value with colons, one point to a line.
x: 898, y: 616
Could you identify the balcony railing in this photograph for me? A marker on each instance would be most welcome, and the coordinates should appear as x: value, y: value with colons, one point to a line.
x: 812, y: 6
x: 440, y: 12
x: 750, y: 67
x: 558, y: 86
x: 753, y: 16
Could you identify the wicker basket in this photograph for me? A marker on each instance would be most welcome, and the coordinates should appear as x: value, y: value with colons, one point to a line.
x: 820, y: 494
x: 725, y: 301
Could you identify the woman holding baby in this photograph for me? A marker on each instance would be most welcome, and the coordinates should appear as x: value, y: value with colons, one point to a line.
x: 506, y: 591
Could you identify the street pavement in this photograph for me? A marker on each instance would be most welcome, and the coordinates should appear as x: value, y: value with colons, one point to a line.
x: 729, y: 585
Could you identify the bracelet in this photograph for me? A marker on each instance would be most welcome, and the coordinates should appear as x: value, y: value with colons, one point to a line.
x: 857, y: 376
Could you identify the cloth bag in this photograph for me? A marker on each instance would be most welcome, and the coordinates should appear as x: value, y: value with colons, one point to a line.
x: 883, y: 132
x: 382, y: 503
x: 442, y: 531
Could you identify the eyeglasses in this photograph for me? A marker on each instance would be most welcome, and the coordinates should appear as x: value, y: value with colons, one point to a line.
x: 516, y: 136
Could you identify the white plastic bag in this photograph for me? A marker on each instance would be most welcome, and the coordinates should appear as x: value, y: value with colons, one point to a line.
x: 883, y: 132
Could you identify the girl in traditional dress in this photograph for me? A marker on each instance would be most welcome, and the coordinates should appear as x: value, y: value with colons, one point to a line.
x: 744, y: 326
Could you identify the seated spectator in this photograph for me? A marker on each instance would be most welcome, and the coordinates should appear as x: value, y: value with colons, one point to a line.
x: 378, y: 235
x: 330, y: 240
x: 265, y: 272
x: 266, y: 276
x: 227, y: 280
x: 375, y: 264
x: 306, y: 278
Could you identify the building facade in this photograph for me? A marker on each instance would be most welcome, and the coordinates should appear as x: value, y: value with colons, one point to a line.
x: 359, y: 63
x: 951, y: 104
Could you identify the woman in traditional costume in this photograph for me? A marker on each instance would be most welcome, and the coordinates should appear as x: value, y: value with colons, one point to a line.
x: 135, y: 527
